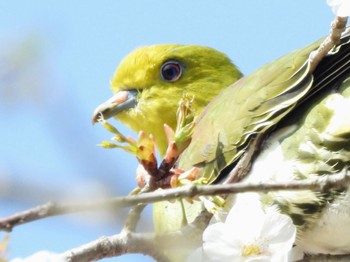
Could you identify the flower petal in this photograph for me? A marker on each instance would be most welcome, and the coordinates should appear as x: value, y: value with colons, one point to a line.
x: 258, y: 259
x: 220, y: 243
x: 215, y: 232
x: 280, y: 232
x: 216, y: 251
x: 340, y: 7
x: 275, y: 223
x: 44, y: 256
x: 246, y: 211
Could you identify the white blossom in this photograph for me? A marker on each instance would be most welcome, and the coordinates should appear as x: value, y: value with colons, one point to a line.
x: 340, y: 7
x: 248, y: 234
x: 41, y: 256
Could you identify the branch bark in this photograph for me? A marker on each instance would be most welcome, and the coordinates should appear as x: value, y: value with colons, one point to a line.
x: 53, y: 209
x: 116, y: 245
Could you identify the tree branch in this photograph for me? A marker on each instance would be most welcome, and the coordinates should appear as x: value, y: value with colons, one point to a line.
x: 337, y: 28
x: 116, y: 245
x: 53, y: 209
x: 150, y: 244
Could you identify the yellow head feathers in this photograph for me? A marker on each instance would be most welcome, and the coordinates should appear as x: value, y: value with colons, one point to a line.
x: 150, y: 81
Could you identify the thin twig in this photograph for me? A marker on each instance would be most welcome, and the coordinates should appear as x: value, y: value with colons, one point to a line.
x: 134, y: 214
x: 333, y: 39
x: 133, y: 217
x: 53, y: 209
x: 243, y: 166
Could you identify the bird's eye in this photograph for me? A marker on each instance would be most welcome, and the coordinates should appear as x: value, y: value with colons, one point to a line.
x: 171, y: 71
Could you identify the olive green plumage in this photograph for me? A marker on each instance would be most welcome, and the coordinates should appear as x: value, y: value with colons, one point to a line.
x: 251, y: 105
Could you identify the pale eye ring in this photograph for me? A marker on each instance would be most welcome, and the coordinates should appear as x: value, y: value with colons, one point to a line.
x: 171, y: 71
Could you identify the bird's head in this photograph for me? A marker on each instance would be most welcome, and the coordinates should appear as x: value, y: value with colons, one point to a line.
x: 151, y: 80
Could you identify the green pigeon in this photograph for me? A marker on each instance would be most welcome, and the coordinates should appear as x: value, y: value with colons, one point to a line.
x: 304, y: 111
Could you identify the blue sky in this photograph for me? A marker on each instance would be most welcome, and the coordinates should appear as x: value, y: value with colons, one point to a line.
x: 56, y: 60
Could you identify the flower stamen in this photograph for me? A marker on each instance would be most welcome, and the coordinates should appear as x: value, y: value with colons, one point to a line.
x: 255, y: 248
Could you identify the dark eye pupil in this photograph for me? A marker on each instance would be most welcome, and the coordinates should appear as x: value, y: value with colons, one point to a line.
x: 171, y: 71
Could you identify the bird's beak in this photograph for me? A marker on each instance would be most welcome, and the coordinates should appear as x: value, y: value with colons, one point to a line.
x: 119, y: 102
